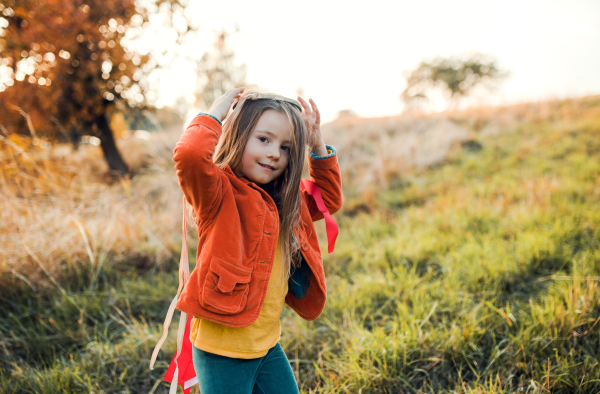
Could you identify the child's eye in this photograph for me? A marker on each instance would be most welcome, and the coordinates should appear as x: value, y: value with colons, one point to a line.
x: 263, y: 139
x: 285, y: 148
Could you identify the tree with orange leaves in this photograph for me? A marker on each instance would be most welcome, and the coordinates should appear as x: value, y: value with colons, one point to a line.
x: 64, y: 65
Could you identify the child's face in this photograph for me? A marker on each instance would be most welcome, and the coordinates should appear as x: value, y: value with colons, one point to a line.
x: 266, y: 154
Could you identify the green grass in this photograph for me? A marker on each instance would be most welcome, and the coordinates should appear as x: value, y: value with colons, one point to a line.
x: 481, y: 275
x: 91, y: 340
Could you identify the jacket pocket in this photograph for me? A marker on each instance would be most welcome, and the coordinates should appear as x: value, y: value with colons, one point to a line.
x: 226, y: 287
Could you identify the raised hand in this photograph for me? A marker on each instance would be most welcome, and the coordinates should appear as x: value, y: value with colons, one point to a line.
x: 221, y: 106
x: 312, y: 117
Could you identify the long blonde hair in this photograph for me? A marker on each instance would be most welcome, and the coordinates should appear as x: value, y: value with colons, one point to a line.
x: 229, y: 151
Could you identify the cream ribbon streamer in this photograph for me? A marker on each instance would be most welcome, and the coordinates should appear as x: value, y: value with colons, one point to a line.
x: 184, y: 275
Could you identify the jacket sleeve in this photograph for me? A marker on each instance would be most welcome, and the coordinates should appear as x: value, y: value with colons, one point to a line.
x: 325, y: 173
x: 199, y: 178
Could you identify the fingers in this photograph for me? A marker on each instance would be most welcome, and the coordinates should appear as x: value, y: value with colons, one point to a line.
x: 305, y: 106
x: 311, y: 110
x: 236, y: 92
x: 221, y: 106
x: 233, y: 93
x: 316, y: 111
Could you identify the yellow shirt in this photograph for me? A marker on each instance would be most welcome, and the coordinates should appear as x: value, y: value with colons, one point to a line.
x: 252, y: 341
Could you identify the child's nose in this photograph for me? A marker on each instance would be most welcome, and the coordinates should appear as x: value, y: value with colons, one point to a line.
x: 274, y: 152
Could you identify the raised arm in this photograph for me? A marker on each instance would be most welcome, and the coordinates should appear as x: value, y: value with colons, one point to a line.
x: 199, y: 177
x: 323, y: 165
x: 325, y: 173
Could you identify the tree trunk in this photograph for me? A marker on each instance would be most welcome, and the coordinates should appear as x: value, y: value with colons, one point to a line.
x: 109, y: 147
x: 74, y: 137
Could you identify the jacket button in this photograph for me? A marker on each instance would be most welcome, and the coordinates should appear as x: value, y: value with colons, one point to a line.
x: 304, y: 246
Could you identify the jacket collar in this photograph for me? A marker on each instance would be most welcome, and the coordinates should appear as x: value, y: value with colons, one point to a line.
x: 253, y: 185
x: 228, y: 170
x: 299, y: 228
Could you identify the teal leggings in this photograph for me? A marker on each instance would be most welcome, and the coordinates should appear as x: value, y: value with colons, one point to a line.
x: 269, y: 374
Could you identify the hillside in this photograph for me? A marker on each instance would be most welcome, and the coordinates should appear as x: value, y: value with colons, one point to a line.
x: 468, y: 260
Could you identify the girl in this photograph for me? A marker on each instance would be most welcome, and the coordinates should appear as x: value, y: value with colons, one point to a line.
x: 257, y: 245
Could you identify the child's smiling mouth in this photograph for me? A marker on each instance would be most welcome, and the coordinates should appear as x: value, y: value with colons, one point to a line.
x: 267, y: 167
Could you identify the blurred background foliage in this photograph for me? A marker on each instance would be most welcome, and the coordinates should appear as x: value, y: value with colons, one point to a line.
x: 455, y: 77
x: 72, y: 68
x: 469, y: 252
x: 218, y: 72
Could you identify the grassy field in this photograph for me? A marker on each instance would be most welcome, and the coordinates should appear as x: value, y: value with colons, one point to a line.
x: 477, y: 271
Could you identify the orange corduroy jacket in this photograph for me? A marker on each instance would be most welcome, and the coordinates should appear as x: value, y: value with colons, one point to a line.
x: 238, y: 226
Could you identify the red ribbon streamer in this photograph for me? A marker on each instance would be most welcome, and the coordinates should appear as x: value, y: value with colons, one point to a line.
x: 186, y: 373
x: 330, y: 224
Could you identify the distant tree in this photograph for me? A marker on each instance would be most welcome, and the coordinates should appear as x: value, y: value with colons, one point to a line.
x: 66, y: 64
x: 455, y: 76
x: 218, y: 72
x: 346, y: 114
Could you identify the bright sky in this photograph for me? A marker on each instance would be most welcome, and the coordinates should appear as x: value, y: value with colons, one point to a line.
x: 352, y: 57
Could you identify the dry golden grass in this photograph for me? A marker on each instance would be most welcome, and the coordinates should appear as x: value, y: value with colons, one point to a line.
x: 61, y: 213
x: 375, y: 151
